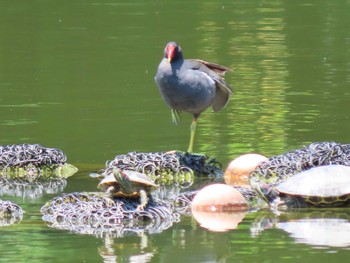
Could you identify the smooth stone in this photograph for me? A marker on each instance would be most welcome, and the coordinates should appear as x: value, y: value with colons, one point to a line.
x: 239, y: 169
x: 219, y: 198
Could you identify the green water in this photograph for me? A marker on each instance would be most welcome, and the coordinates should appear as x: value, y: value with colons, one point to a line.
x: 79, y: 76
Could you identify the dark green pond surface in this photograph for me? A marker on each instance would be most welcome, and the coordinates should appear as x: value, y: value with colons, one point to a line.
x: 79, y: 76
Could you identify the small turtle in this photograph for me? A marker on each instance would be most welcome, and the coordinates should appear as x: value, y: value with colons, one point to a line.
x: 129, y: 184
x: 322, y: 186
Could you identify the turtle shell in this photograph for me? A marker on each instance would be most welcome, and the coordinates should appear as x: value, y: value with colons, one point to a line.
x: 106, y: 182
x: 322, y: 185
x: 135, y: 178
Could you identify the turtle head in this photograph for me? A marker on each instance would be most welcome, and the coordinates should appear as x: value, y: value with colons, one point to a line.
x: 263, y: 190
x: 122, y: 179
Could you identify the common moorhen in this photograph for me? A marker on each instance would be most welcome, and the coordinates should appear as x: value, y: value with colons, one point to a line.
x: 190, y: 85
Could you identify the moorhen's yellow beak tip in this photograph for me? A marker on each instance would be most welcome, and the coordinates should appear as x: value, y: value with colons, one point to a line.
x: 169, y: 59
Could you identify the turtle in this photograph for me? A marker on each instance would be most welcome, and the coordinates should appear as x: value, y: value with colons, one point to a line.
x: 128, y: 184
x: 322, y: 186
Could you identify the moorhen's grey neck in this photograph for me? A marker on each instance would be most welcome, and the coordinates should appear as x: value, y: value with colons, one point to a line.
x: 190, y: 85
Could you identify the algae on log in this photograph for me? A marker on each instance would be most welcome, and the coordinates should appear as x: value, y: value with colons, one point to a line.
x: 33, y: 162
x: 32, y: 173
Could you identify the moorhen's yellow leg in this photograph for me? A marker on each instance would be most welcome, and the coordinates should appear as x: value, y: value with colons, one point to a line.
x: 193, y: 132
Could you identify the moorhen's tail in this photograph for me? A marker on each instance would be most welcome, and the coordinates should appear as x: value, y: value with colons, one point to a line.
x: 216, y: 72
x: 223, y: 93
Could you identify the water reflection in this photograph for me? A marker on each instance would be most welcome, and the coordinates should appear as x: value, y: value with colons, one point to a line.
x: 258, y: 108
x: 18, y: 122
x: 219, y: 221
x: 133, y: 249
x: 318, y: 228
x: 187, y: 245
x: 31, y: 191
x: 329, y: 232
x: 193, y: 244
x: 10, y: 213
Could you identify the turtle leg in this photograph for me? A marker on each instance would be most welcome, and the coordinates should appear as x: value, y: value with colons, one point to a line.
x: 109, y: 195
x: 143, y: 200
x: 295, y: 202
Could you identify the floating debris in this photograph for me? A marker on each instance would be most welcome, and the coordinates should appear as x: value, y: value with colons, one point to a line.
x: 10, y: 213
x: 201, y: 164
x: 248, y: 193
x: 31, y: 170
x: 33, y: 162
x: 166, y: 167
x: 93, y: 213
x: 278, y: 168
x: 23, y: 154
x: 182, y: 202
x: 162, y: 167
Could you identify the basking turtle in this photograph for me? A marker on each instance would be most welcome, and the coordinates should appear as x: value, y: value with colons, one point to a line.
x: 129, y: 184
x: 322, y: 186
